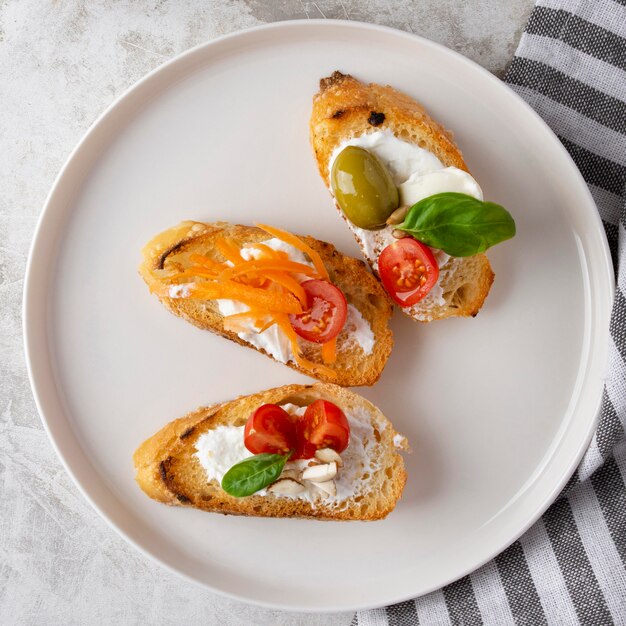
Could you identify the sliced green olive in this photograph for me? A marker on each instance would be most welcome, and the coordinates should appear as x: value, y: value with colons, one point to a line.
x: 363, y: 188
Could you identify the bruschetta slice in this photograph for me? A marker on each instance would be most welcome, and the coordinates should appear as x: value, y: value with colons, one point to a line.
x: 295, y: 299
x: 359, y: 477
x: 400, y: 133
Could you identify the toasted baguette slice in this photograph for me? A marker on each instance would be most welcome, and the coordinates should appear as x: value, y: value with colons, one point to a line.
x: 168, y: 470
x: 345, y: 108
x: 171, y: 250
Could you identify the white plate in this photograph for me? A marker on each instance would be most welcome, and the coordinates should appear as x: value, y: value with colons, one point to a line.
x: 498, y: 409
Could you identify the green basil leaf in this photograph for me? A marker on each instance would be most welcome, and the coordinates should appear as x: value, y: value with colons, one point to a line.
x: 252, y: 474
x: 458, y: 224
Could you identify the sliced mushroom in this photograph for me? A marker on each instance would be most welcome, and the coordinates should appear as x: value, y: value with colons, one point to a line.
x: 329, y: 488
x: 286, y: 487
x: 328, y: 455
x: 320, y: 473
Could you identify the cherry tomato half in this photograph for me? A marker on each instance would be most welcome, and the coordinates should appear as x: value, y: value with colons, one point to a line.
x: 408, y: 270
x: 323, y: 425
x: 326, y: 312
x: 270, y: 429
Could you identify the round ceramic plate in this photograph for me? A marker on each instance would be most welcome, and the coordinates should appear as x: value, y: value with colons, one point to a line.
x: 498, y: 409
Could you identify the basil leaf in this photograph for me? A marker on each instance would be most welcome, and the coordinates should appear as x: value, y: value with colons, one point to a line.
x: 252, y: 474
x: 458, y: 224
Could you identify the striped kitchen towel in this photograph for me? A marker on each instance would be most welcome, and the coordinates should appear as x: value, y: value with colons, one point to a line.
x: 569, y: 568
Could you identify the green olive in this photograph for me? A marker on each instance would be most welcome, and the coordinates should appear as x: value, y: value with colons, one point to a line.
x: 363, y: 188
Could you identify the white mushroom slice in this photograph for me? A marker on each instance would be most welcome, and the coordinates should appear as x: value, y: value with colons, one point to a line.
x: 286, y: 487
x: 329, y: 488
x: 328, y: 455
x: 320, y: 473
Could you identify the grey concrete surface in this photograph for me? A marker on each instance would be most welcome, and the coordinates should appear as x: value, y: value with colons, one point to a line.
x: 61, y: 63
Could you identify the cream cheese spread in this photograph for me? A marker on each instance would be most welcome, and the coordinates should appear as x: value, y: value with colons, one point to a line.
x: 220, y: 448
x: 418, y: 173
x: 451, y: 179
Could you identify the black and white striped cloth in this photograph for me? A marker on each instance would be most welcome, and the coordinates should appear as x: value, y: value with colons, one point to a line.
x: 569, y: 568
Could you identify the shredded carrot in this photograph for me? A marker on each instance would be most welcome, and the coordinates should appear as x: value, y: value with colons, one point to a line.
x: 296, y: 242
x: 265, y: 250
x: 329, y: 351
x: 256, y: 317
x: 252, y: 296
x: 200, y: 259
x: 254, y: 280
x: 262, y: 265
x: 268, y: 253
x: 285, y: 325
x: 268, y: 284
x: 289, y: 283
x: 316, y: 368
x: 229, y: 249
x: 264, y: 327
x: 249, y: 315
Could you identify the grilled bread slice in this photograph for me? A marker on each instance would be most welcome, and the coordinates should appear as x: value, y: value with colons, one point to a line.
x: 345, y: 108
x: 168, y: 470
x: 170, y: 252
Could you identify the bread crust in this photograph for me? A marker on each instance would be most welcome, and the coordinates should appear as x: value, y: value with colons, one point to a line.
x: 170, y: 250
x: 167, y: 471
x: 344, y: 108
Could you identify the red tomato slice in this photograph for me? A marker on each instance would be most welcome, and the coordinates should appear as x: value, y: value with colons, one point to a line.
x: 323, y: 425
x: 408, y: 270
x: 326, y: 312
x: 270, y: 429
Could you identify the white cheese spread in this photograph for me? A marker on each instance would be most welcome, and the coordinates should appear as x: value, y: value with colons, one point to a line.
x: 418, y: 173
x: 449, y: 179
x: 273, y: 340
x: 220, y: 448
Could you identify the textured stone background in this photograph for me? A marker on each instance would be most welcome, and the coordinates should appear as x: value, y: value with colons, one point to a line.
x: 61, y: 63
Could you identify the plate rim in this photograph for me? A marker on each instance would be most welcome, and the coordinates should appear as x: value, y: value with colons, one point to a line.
x: 29, y: 313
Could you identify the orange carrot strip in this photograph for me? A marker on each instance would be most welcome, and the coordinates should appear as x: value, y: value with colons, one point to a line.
x: 203, y: 272
x: 296, y: 242
x: 283, y: 322
x: 252, y: 314
x: 268, y: 252
x: 200, y: 259
x: 329, y: 351
x: 262, y: 328
x: 265, y: 250
x: 256, y: 298
x: 285, y: 325
x: 289, y: 283
x: 229, y: 249
x: 244, y: 315
x: 236, y: 321
x: 263, y: 265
